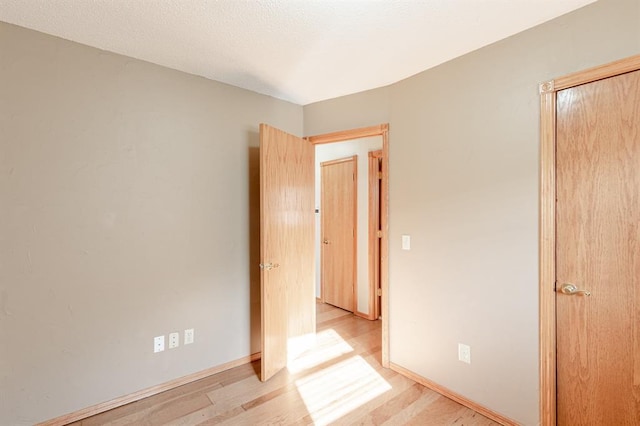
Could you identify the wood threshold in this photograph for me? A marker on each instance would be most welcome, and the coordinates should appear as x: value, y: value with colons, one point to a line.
x: 345, y: 135
x: 547, y: 222
x: 136, y: 396
x: 454, y: 396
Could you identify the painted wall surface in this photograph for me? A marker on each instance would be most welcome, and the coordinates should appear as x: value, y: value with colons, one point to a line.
x: 364, y: 109
x: 128, y: 209
x: 464, y: 143
x: 333, y: 151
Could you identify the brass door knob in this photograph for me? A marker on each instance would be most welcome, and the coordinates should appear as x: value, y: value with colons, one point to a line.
x: 571, y: 289
x: 269, y: 266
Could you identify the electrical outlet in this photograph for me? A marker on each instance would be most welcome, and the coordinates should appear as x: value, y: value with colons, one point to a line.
x: 174, y: 340
x: 464, y: 353
x: 158, y: 344
x: 188, y: 336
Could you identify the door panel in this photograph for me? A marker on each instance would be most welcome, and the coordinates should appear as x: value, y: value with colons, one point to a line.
x: 286, y: 246
x: 338, y: 217
x: 598, y: 249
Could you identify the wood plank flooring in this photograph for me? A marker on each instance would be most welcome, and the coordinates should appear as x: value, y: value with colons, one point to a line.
x: 340, y: 381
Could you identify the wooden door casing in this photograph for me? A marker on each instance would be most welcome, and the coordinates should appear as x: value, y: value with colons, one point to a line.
x: 287, y: 223
x: 375, y: 233
x: 338, y: 232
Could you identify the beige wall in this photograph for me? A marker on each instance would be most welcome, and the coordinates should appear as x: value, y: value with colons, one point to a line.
x: 463, y: 175
x: 125, y: 213
x: 349, y: 112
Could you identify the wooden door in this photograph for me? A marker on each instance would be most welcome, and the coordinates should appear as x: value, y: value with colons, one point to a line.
x: 338, y: 222
x: 598, y: 250
x: 287, y: 286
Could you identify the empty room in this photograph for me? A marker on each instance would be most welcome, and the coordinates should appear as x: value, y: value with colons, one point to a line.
x: 319, y: 212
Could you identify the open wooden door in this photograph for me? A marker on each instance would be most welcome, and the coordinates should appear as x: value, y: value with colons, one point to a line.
x: 287, y: 262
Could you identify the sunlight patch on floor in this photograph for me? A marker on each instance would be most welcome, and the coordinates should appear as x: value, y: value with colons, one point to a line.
x: 329, y: 345
x: 298, y: 345
x: 339, y: 389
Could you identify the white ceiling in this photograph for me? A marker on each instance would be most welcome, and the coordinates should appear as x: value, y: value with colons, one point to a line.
x: 296, y: 50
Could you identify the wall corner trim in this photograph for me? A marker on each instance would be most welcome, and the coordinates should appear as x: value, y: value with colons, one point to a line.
x: 153, y: 390
x: 454, y: 396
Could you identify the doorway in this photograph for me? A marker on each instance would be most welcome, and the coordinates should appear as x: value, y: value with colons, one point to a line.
x: 590, y: 246
x: 360, y: 134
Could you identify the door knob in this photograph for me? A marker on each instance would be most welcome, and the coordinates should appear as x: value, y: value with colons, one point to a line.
x: 268, y: 266
x: 571, y: 289
x: 325, y: 241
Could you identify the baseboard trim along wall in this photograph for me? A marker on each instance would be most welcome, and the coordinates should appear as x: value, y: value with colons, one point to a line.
x: 454, y: 396
x: 136, y: 396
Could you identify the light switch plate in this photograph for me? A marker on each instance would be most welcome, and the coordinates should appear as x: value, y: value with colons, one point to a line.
x: 464, y: 353
x: 188, y: 336
x: 406, y: 242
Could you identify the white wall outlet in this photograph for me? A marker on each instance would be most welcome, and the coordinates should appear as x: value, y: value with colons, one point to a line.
x: 174, y: 340
x: 464, y: 353
x: 158, y: 344
x: 188, y: 336
x: 406, y: 242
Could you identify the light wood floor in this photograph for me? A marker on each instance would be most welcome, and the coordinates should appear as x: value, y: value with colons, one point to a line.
x: 340, y: 381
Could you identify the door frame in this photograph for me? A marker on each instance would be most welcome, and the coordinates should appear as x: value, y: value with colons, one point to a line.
x: 375, y: 193
x: 364, y: 132
x: 354, y: 257
x: 547, y: 221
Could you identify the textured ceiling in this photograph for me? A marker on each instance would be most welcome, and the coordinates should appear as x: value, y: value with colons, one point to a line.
x: 300, y: 51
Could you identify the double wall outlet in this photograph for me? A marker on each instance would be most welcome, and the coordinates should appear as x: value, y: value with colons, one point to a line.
x: 174, y: 340
x: 464, y: 353
x: 158, y: 344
